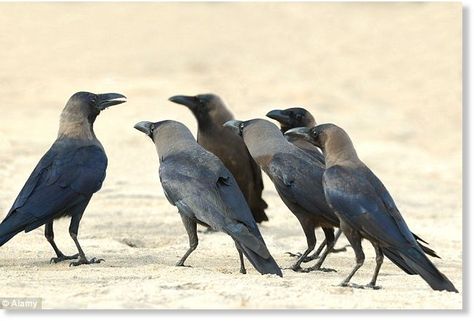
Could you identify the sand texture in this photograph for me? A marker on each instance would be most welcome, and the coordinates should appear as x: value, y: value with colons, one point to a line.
x: 390, y: 74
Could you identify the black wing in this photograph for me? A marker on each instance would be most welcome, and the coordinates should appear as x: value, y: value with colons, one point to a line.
x: 207, y: 192
x: 352, y: 194
x: 311, y: 150
x: 298, y: 180
x: 63, y: 177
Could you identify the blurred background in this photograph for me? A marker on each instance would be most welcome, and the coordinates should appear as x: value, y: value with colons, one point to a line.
x: 388, y: 73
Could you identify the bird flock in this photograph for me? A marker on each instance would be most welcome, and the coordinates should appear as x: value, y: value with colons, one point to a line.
x: 216, y: 182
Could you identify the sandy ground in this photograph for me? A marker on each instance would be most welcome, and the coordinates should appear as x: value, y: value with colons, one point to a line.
x: 390, y: 74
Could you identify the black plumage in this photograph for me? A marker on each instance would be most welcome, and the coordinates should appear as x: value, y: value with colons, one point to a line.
x: 297, y: 179
x: 66, y: 177
x: 300, y: 117
x: 367, y: 211
x: 211, y: 113
x: 297, y: 117
x: 205, y: 192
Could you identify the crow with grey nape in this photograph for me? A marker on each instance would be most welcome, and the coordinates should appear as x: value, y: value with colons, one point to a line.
x: 367, y: 211
x: 66, y: 177
x: 299, y: 117
x: 205, y: 192
x: 297, y: 179
x: 211, y: 113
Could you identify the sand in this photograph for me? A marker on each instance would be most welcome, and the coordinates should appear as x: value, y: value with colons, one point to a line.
x: 390, y: 74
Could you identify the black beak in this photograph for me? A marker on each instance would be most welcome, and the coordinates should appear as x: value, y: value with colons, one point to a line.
x: 279, y: 115
x: 302, y: 132
x: 191, y: 102
x: 235, y: 125
x: 111, y: 99
x: 145, y: 127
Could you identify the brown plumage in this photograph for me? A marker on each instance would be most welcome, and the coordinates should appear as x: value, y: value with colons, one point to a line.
x: 211, y: 113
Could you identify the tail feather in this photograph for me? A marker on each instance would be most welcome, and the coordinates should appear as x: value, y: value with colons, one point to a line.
x: 262, y: 265
x: 244, y: 236
x: 257, y: 206
x: 12, y: 225
x: 259, y: 215
x: 425, y: 249
x: 398, y: 261
x: 419, y: 263
x: 428, y: 251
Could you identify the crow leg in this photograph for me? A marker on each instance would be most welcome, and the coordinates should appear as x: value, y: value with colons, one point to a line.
x: 308, y: 228
x: 73, y: 230
x: 355, y: 240
x: 191, y: 228
x: 379, y: 261
x: 315, y: 255
x: 241, y: 257
x: 331, y: 241
x: 342, y: 249
x: 318, y: 251
x: 49, y: 234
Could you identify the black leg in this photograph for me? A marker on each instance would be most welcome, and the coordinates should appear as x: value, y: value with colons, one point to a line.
x: 73, y: 229
x: 318, y: 251
x: 308, y: 228
x: 241, y: 257
x: 342, y: 249
x: 330, y: 241
x: 49, y: 234
x: 191, y: 228
x: 379, y: 261
x: 355, y: 240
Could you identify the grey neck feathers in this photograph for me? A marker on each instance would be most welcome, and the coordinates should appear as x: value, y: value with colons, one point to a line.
x: 268, y: 142
x: 75, y: 127
x: 173, y: 140
x: 340, y: 151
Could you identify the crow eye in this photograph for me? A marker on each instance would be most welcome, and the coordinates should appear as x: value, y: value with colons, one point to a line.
x: 298, y: 117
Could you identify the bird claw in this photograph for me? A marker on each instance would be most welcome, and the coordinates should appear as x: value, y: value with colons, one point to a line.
x: 307, y: 259
x: 317, y: 268
x: 373, y: 286
x: 296, y: 268
x: 63, y: 258
x: 298, y: 254
x: 85, y: 261
x: 325, y: 270
x: 243, y: 271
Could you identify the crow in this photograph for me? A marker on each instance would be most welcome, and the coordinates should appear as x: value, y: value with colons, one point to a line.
x: 66, y: 177
x: 366, y: 210
x: 297, y: 179
x: 211, y: 113
x: 205, y: 192
x: 299, y: 117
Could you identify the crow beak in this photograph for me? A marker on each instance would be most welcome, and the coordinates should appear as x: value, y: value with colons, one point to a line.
x: 235, y: 125
x: 279, y: 115
x: 302, y: 132
x: 145, y: 127
x: 191, y: 102
x: 111, y: 99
